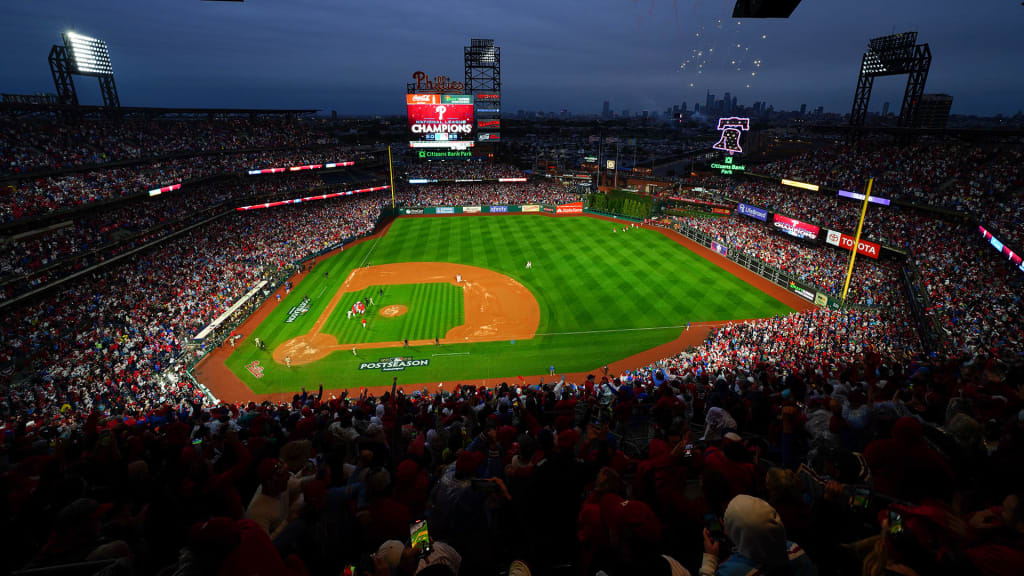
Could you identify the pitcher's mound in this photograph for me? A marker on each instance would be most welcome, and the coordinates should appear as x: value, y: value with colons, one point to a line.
x: 393, y: 310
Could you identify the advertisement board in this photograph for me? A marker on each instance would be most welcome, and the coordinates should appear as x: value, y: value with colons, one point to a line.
x: 443, y: 154
x: 488, y: 137
x: 310, y: 198
x: 498, y: 209
x: 531, y: 208
x: 445, y: 210
x: 801, y: 292
x: 858, y: 196
x: 869, y: 249
x: 795, y: 227
x: 470, y: 209
x: 720, y: 248
x: 1012, y: 256
x: 721, y: 211
x: 795, y: 184
x: 753, y: 211
x: 570, y: 208
x: 489, y: 124
x: 440, y: 117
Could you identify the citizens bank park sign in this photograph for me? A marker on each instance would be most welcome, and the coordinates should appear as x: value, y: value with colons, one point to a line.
x: 397, y: 364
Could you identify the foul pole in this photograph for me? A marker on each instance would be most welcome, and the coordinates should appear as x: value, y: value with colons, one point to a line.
x: 856, y: 241
x: 391, y: 173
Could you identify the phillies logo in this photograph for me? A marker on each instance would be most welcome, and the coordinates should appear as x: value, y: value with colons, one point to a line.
x: 440, y: 111
x: 438, y: 84
x: 730, y: 129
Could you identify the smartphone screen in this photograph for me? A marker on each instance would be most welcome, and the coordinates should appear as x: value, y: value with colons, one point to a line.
x: 895, y: 523
x: 861, y: 498
x: 714, y: 526
x: 419, y: 537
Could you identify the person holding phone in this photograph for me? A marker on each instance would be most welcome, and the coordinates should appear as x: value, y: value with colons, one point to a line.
x: 759, y: 543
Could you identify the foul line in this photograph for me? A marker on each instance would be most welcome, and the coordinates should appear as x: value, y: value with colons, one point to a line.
x: 453, y: 354
x: 372, y: 248
x: 320, y: 293
x: 692, y: 324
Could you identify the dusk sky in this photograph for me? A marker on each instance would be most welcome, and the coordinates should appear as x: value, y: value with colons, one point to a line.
x: 356, y: 57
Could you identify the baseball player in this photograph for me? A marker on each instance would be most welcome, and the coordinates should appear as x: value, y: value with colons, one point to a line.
x: 371, y: 300
x: 458, y: 278
x: 529, y: 264
x: 350, y: 313
x: 354, y: 351
x: 364, y: 322
x: 288, y: 361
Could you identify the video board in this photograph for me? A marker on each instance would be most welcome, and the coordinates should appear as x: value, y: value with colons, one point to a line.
x: 795, y: 227
x: 440, y: 118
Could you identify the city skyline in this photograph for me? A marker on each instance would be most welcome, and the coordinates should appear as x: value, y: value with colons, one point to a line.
x: 357, y: 58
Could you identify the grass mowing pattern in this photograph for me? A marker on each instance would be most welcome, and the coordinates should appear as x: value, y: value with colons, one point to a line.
x: 585, y: 277
x: 433, y: 310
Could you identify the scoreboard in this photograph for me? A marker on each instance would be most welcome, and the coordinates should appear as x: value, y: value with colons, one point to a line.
x: 436, y: 120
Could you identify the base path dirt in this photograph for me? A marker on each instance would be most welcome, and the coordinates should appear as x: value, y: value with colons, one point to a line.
x: 497, y: 307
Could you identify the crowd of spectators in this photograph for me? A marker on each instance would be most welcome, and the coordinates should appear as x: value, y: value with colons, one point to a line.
x: 975, y: 294
x: 459, y: 170
x: 114, y: 339
x: 820, y: 442
x: 874, y: 283
x: 34, y: 196
x: 804, y: 444
x: 41, y: 143
x: 532, y: 192
x: 984, y: 181
x: 91, y: 236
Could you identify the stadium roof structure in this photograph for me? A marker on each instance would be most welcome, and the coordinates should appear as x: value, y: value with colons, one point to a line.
x: 27, y: 108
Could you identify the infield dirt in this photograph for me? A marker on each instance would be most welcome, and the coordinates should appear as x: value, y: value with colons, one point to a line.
x: 496, y: 308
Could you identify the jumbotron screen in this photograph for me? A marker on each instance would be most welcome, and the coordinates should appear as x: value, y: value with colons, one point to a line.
x: 440, y: 117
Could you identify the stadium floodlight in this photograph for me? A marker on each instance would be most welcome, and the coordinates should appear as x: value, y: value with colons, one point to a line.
x: 89, y: 56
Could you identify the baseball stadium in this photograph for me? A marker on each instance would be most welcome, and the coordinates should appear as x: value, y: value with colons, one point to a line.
x: 413, y: 312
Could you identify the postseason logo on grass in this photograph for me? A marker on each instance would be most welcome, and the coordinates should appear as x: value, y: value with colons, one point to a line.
x: 297, y: 311
x: 255, y: 369
x: 394, y: 364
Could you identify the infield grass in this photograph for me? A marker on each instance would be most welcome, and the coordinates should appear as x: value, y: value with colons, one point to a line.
x: 433, y: 310
x: 603, y: 296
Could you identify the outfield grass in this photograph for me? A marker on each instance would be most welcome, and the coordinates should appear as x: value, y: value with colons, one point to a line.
x: 603, y: 296
x: 433, y: 310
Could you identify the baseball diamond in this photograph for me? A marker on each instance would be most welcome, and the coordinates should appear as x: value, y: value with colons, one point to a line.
x: 590, y: 299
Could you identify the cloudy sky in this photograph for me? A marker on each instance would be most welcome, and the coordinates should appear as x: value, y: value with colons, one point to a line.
x: 356, y: 57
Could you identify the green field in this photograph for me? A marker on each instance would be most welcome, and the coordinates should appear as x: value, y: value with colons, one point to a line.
x: 603, y: 296
x: 434, y: 309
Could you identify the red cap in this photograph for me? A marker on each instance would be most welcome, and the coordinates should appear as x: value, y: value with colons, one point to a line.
x: 567, y: 439
x: 636, y: 520
x: 268, y: 467
x: 468, y: 462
